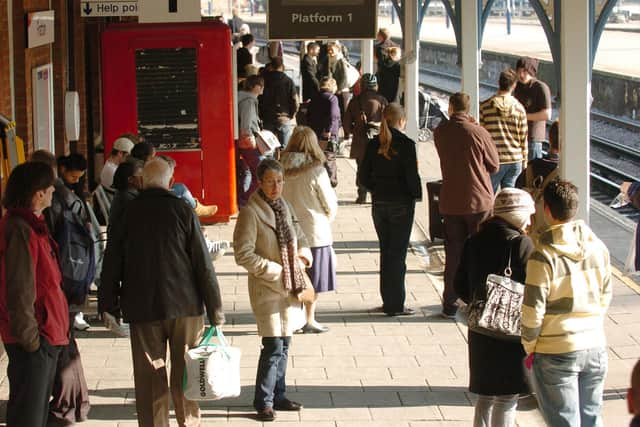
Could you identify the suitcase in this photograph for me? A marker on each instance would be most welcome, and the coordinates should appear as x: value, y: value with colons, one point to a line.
x: 436, y: 222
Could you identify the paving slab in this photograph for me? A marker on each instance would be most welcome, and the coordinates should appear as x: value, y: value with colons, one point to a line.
x: 369, y: 369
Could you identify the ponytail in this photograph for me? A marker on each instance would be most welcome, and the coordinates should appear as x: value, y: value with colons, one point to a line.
x: 392, y: 115
x: 385, y: 140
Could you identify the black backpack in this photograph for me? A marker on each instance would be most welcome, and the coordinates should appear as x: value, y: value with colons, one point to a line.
x: 77, y: 254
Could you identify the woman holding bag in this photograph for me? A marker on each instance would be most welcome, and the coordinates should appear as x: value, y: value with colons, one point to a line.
x: 268, y: 242
x: 495, y: 365
x: 315, y: 203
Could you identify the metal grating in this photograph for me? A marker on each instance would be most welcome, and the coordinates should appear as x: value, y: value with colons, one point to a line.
x: 167, y: 93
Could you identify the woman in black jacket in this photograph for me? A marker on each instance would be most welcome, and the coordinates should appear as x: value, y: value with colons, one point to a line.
x: 496, y: 366
x: 390, y: 171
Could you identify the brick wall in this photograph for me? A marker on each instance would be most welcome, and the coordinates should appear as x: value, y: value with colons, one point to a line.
x: 25, y: 60
x: 5, y: 82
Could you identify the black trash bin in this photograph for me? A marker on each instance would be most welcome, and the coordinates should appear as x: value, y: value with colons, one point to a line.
x: 436, y: 222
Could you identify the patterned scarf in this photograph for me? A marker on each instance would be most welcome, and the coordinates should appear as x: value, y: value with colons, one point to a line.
x: 292, y: 274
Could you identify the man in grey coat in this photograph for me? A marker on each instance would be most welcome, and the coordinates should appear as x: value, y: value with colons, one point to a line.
x: 158, y: 273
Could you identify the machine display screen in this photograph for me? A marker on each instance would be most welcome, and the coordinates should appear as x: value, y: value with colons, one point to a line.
x: 167, y: 93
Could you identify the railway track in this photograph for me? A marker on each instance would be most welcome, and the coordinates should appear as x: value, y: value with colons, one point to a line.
x: 615, y: 141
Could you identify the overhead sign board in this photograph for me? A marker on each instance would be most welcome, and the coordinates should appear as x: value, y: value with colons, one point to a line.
x: 169, y: 11
x: 322, y: 19
x: 99, y: 8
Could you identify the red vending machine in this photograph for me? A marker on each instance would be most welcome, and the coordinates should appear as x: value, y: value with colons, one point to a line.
x: 172, y: 85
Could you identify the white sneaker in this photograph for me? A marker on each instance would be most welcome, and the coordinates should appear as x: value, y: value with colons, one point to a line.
x: 79, y: 324
x: 218, y: 248
x: 111, y: 323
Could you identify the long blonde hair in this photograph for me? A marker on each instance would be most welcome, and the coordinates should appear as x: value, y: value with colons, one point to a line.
x: 391, y: 117
x: 304, y: 140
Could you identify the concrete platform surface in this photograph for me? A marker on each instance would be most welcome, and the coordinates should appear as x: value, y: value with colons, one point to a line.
x: 369, y: 369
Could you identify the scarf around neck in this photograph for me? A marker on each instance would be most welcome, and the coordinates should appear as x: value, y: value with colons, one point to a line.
x: 36, y: 223
x: 292, y: 274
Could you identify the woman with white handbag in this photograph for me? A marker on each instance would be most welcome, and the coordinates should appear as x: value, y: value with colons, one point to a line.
x: 495, y: 362
x: 269, y: 243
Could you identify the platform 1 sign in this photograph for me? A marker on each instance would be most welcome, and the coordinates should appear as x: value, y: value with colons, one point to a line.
x: 96, y: 9
x: 322, y: 19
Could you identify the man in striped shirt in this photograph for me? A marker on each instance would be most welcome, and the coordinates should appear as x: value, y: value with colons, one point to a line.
x: 567, y: 294
x: 506, y: 120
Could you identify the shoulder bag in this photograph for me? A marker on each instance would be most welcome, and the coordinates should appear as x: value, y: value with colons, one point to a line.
x: 499, y: 314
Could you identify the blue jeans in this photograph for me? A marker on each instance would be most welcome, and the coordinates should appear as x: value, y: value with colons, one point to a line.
x: 272, y: 369
x: 506, y: 176
x: 569, y: 387
x: 283, y: 131
x: 495, y: 410
x: 393, y: 222
x: 183, y: 192
x: 535, y: 150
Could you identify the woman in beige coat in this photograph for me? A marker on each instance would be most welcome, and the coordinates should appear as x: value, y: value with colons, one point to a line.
x: 270, y: 245
x: 315, y: 204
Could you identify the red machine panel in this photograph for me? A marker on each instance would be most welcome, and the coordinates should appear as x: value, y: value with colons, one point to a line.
x: 172, y: 84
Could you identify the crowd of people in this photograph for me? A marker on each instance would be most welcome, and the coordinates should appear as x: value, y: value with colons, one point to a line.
x: 157, y: 273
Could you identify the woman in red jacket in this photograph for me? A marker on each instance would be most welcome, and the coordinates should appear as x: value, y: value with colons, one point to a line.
x: 34, y: 318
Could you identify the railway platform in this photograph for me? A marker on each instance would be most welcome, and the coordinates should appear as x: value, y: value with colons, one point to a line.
x: 369, y: 369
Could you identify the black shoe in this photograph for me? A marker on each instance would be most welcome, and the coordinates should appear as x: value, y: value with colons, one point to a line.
x: 287, y: 405
x: 311, y: 329
x: 406, y: 312
x: 267, y: 414
x: 361, y: 200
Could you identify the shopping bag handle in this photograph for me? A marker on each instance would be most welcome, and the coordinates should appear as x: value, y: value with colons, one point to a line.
x: 210, y: 332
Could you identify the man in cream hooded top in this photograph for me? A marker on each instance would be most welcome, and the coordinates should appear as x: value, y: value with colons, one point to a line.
x: 567, y: 293
x: 506, y: 120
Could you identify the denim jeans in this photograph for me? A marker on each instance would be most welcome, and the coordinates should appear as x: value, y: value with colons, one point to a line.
x: 272, y: 369
x: 181, y: 190
x: 569, y: 386
x: 282, y: 130
x: 393, y: 223
x: 506, y: 176
x: 495, y: 411
x: 535, y: 150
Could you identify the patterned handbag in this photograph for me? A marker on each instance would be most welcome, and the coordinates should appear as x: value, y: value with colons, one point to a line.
x: 499, y: 315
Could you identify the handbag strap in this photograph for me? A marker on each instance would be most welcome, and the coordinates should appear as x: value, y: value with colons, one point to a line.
x: 507, y: 270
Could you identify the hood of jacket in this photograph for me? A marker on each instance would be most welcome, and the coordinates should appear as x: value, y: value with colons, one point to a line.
x: 573, y: 239
x: 244, y: 95
x: 295, y: 164
x: 505, y: 104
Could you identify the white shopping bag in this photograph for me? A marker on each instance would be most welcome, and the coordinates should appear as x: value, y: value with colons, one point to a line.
x: 212, y: 371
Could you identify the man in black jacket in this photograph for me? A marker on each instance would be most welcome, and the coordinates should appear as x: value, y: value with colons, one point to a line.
x: 158, y: 272
x: 279, y: 102
x: 309, y: 71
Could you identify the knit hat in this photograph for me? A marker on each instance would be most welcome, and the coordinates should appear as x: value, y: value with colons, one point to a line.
x: 123, y: 144
x: 514, y: 206
x: 368, y: 81
x: 529, y: 64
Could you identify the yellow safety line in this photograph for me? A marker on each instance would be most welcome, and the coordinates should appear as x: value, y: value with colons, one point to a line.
x: 625, y: 280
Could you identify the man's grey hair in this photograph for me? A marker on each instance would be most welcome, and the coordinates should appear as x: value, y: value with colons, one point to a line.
x: 157, y: 173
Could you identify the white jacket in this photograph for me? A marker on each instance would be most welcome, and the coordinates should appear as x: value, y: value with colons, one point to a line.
x: 308, y: 189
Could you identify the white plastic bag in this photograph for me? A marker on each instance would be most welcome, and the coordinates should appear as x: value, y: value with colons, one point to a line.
x: 353, y: 75
x: 297, y: 316
x: 212, y: 371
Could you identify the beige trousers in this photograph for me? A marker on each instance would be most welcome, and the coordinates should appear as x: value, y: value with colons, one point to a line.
x: 149, y: 351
